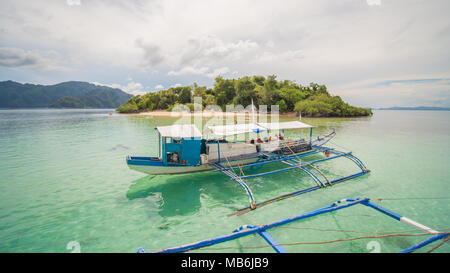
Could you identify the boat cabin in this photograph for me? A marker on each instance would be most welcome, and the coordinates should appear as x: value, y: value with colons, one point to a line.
x: 180, y: 144
x: 270, y: 143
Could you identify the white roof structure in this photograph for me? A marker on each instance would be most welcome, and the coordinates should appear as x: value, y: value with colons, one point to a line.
x: 285, y: 125
x: 235, y: 129
x: 179, y: 131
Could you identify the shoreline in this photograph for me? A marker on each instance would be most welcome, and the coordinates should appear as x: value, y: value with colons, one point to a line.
x: 161, y: 113
x: 209, y: 114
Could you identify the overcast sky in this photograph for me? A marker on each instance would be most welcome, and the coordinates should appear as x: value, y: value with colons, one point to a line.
x: 373, y: 53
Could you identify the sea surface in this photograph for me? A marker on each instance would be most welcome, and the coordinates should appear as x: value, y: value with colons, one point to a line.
x: 65, y: 186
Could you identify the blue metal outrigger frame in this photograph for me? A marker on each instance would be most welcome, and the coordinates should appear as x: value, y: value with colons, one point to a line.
x: 294, y: 163
x: 262, y: 229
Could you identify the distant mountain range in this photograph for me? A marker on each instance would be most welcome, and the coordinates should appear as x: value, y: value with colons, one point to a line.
x: 73, y: 94
x: 429, y: 108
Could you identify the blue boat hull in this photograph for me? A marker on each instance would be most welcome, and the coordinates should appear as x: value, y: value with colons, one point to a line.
x: 154, y: 165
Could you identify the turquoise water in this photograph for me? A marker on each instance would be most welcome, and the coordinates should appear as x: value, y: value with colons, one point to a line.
x: 63, y: 178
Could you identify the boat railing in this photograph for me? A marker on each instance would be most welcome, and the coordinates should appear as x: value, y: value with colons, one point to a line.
x: 288, y: 142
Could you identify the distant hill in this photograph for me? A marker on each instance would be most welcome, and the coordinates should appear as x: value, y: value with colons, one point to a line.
x: 427, y: 108
x: 73, y: 94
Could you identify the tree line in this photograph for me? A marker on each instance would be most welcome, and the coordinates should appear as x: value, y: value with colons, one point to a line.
x: 312, y: 100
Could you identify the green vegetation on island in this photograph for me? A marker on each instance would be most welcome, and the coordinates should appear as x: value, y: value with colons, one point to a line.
x: 72, y: 94
x: 313, y: 100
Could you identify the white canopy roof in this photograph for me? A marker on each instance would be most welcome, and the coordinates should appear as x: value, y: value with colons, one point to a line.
x: 235, y: 129
x: 179, y: 131
x: 285, y: 125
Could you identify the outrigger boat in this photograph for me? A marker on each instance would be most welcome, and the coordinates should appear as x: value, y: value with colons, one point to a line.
x: 182, y: 149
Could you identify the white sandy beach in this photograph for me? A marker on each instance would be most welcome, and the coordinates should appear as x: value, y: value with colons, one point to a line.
x: 161, y: 113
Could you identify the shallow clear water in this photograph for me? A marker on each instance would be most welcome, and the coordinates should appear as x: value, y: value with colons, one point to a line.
x: 64, y: 178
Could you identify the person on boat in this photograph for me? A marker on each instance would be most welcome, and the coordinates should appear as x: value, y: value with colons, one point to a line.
x: 266, y: 139
x: 259, y: 140
x: 271, y: 138
x: 280, y: 136
x: 252, y: 141
x: 174, y: 157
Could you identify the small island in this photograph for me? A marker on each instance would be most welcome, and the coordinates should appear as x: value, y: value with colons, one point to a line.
x: 311, y: 101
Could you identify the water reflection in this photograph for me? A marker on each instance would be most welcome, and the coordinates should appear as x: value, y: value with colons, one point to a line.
x: 176, y: 197
x: 182, y: 195
x: 186, y: 194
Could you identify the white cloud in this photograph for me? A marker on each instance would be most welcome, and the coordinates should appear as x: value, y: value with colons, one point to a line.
x: 73, y: 2
x: 336, y: 43
x: 152, y: 53
x: 34, y: 59
x: 270, y: 44
x: 14, y: 57
x: 134, y: 88
x: 207, y: 56
x: 420, y: 91
x: 373, y: 2
x: 232, y: 49
x: 159, y: 87
x: 204, y: 71
x: 218, y: 71
x: 287, y: 56
x: 189, y: 70
x: 211, y: 49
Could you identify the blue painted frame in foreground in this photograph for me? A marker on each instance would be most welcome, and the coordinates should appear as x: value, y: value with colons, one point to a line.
x: 262, y: 229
